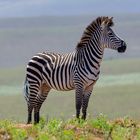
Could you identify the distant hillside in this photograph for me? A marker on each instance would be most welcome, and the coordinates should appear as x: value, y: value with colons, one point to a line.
x: 21, y: 38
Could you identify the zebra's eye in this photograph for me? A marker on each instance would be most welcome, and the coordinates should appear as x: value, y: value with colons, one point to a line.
x: 109, y: 33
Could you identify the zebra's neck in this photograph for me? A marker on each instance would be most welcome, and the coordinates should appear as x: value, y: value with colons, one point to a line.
x: 93, y: 55
x: 91, y: 51
x: 89, y: 57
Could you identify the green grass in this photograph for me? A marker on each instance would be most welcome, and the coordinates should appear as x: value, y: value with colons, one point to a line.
x: 120, y: 66
x: 12, y: 76
x: 73, y: 129
x: 114, y: 101
x: 116, y: 94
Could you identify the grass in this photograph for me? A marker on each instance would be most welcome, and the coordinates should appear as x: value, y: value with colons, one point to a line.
x: 115, y: 94
x: 115, y: 101
x: 73, y: 129
x: 12, y: 76
x: 120, y: 66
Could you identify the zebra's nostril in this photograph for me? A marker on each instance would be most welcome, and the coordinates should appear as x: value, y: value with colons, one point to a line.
x: 122, y: 48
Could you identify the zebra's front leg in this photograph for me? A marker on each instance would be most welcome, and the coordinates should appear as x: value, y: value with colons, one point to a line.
x: 30, y: 109
x: 78, y: 100
x: 86, y: 96
x: 85, y: 101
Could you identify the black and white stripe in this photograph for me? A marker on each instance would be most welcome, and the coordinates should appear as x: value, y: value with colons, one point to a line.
x: 78, y: 70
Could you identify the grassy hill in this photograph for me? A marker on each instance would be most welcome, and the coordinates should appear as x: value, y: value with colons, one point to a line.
x: 72, y: 129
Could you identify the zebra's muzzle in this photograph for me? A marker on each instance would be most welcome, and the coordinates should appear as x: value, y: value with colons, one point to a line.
x: 122, y: 48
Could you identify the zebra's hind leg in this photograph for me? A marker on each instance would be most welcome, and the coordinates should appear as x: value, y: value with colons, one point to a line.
x: 39, y: 101
x: 31, y: 89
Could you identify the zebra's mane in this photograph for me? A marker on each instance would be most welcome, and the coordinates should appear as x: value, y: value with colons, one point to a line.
x: 90, y: 29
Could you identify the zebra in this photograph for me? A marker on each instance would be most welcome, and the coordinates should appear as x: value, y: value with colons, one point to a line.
x: 77, y: 70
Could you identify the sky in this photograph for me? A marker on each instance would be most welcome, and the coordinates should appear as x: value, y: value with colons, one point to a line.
x: 27, y: 8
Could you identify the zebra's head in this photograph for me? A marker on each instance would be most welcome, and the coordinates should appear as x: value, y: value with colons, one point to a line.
x: 108, y: 38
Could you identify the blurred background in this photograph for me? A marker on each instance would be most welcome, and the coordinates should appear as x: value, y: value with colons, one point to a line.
x: 31, y: 26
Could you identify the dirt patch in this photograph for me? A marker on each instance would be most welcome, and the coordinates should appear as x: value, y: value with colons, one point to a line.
x: 23, y: 126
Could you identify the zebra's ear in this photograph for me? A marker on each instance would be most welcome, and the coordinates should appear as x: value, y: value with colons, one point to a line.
x: 107, y: 22
x: 103, y: 24
x: 110, y: 22
x: 111, y: 18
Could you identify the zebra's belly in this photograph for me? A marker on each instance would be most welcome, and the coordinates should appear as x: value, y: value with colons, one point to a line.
x: 62, y: 88
x: 59, y: 84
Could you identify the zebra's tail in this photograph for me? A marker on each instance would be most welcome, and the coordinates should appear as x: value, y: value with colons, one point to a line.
x: 26, y: 89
